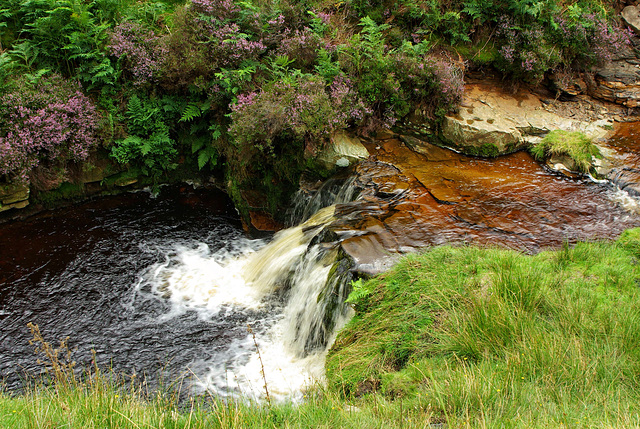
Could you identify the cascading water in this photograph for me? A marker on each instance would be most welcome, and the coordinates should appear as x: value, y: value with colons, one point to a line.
x: 293, y: 289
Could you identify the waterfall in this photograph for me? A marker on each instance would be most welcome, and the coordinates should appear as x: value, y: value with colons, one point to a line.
x: 333, y: 191
x: 291, y: 291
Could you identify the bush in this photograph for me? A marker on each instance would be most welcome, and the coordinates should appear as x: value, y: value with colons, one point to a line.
x: 50, y: 121
x: 302, y: 110
x: 143, y: 52
x: 395, y: 81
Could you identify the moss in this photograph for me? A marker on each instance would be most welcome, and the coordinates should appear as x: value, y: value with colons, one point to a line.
x: 65, y: 192
x: 481, y: 53
x: 487, y: 150
x: 572, y: 144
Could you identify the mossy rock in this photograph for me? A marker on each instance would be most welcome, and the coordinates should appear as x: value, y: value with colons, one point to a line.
x: 574, y: 146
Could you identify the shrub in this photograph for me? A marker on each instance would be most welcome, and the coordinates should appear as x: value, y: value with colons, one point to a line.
x: 395, y: 81
x: 142, y: 50
x: 303, y: 109
x: 50, y: 121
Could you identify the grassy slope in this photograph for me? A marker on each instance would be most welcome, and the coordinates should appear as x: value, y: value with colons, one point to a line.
x: 471, y: 337
x: 492, y: 337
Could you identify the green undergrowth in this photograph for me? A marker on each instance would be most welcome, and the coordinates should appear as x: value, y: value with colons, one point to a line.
x: 575, y: 145
x: 494, y: 338
x: 455, y: 337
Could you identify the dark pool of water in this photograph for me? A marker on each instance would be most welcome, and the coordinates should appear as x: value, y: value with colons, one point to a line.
x: 73, y: 272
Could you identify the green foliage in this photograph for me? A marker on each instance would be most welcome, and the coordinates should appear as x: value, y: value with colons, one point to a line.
x: 490, y: 336
x: 575, y: 145
x: 66, y: 36
x: 148, y: 145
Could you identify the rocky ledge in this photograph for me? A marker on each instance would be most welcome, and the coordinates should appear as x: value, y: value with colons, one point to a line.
x: 492, y: 121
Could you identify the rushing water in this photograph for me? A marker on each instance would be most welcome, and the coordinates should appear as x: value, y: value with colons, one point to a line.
x: 167, y: 287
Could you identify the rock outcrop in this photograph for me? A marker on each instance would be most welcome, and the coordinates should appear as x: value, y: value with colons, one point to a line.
x: 13, y: 196
x: 342, y: 151
x: 617, y: 82
x: 492, y: 122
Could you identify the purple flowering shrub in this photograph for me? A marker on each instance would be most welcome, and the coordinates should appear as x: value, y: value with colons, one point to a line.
x: 395, y: 82
x: 269, y: 122
x: 52, y: 122
x: 579, y: 41
x: 142, y: 50
x: 300, y: 46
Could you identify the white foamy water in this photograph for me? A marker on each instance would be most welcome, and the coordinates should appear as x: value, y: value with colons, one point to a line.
x: 625, y: 200
x: 283, y: 290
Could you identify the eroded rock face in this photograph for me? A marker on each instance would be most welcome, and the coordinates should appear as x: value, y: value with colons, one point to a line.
x: 13, y: 196
x: 617, y: 82
x: 492, y: 122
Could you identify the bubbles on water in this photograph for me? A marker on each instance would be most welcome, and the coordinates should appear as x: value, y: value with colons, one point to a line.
x: 242, y: 281
x: 625, y: 200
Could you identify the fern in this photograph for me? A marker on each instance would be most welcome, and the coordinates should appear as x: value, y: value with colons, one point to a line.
x: 191, y: 111
x: 207, y: 156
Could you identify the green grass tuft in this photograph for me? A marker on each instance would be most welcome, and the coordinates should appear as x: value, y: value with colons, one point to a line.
x: 573, y: 144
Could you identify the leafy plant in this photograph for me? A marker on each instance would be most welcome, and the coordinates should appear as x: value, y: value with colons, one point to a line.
x: 148, y: 145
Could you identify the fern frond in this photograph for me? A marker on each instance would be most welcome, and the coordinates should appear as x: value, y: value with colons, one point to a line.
x: 191, y: 110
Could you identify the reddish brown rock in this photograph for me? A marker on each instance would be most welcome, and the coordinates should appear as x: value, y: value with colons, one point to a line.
x: 263, y: 221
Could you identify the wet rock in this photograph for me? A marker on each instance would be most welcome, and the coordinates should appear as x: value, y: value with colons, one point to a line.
x: 492, y: 122
x: 97, y: 171
x: 412, y: 200
x: 620, y: 161
x: 342, y: 151
x: 263, y: 221
x: 618, y: 82
x: 13, y: 196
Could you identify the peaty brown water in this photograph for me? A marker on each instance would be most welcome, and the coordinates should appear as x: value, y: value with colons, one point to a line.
x: 414, y: 200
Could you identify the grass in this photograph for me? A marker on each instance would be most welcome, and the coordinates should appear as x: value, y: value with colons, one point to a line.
x: 572, y: 144
x: 462, y: 337
x: 494, y: 338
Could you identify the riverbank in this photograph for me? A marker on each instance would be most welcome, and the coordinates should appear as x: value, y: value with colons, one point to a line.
x: 455, y: 337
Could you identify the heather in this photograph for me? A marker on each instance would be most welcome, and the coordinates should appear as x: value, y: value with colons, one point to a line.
x: 51, y: 122
x: 252, y: 91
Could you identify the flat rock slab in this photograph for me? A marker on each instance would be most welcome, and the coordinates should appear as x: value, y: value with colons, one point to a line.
x: 631, y: 15
x: 493, y: 122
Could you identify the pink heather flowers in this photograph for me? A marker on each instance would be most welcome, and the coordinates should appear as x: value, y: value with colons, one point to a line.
x: 305, y: 109
x: 143, y: 50
x: 52, y: 121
